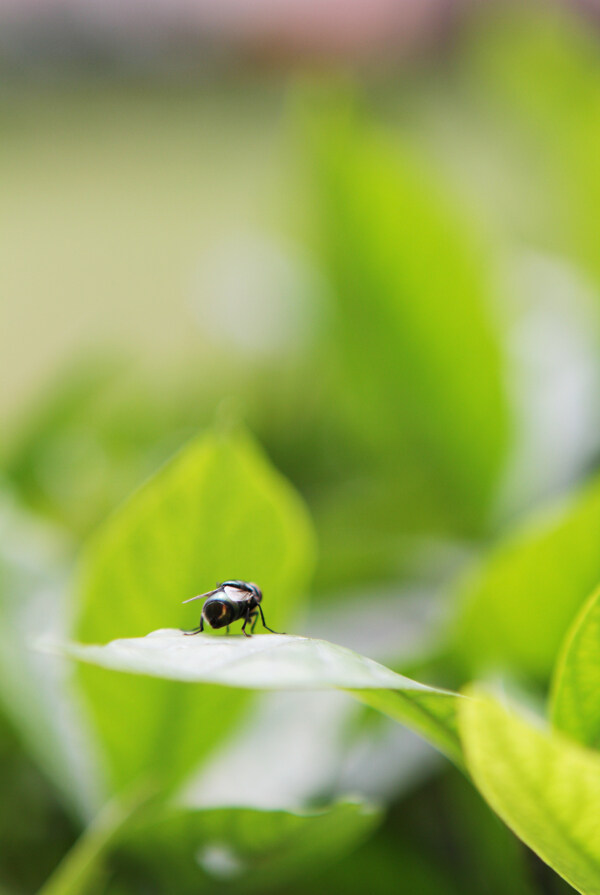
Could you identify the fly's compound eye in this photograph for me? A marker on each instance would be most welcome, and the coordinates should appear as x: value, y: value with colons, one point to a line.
x: 256, y: 591
x: 219, y: 613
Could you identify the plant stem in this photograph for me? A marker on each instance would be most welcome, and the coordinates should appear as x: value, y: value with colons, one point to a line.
x: 84, y: 862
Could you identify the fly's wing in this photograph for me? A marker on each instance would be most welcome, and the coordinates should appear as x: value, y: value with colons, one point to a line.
x: 203, y: 596
x: 237, y: 594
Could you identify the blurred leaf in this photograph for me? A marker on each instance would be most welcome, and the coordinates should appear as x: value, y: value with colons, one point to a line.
x: 215, y: 511
x: 520, y: 602
x: 61, y: 425
x: 35, y: 694
x: 446, y: 826
x: 431, y: 714
x: 32, y: 820
x: 575, y: 704
x: 279, y: 662
x: 440, y: 839
x: 555, y: 119
x: 486, y: 856
x: 318, y: 746
x: 545, y: 788
x: 96, y: 432
x: 414, y: 337
x: 82, y: 868
x: 241, y: 849
x: 385, y: 865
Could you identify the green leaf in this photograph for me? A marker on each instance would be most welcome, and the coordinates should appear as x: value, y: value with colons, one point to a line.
x: 58, y: 432
x: 544, y: 787
x: 431, y: 714
x: 575, y: 703
x: 520, y: 602
x: 280, y: 662
x: 83, y: 865
x: 254, y: 850
x: 557, y: 116
x: 217, y: 510
x: 414, y: 338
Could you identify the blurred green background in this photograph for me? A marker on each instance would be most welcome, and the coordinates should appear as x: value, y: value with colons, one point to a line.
x: 369, y: 236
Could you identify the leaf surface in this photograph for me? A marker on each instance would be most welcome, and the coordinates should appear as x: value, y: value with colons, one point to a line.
x: 575, y: 704
x: 416, y: 346
x: 544, y: 787
x: 519, y: 603
x: 253, y: 850
x: 282, y: 662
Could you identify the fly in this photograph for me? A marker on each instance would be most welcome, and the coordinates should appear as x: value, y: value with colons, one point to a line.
x: 230, y: 602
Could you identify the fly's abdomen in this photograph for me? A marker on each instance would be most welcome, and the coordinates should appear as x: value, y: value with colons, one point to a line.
x: 220, y: 613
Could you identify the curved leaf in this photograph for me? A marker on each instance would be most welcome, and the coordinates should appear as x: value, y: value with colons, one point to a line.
x: 200, y: 847
x: 431, y: 714
x: 544, y: 787
x: 416, y: 344
x: 521, y: 601
x: 81, y: 869
x: 255, y: 851
x: 575, y: 704
x: 280, y: 662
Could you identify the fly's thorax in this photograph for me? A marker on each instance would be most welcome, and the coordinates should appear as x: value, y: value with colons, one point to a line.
x: 237, y: 590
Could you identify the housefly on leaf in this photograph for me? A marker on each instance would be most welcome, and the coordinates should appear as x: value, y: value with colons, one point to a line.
x: 230, y: 602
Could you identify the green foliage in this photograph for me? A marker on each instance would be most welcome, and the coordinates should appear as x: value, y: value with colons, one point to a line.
x: 485, y: 858
x: 544, y: 787
x: 216, y: 505
x: 34, y: 694
x: 218, y: 502
x: 32, y: 820
x: 64, y: 423
x: 414, y: 340
x: 429, y: 712
x: 83, y: 868
x: 575, y: 704
x: 396, y: 408
x: 558, y: 60
x: 519, y: 603
x: 132, y: 562
x: 253, y: 851
x: 378, y: 862
x: 92, y: 437
x: 217, y: 510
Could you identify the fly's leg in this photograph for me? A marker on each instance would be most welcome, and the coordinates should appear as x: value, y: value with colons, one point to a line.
x: 254, y: 618
x: 227, y: 629
x: 265, y: 625
x: 246, y: 620
x: 197, y: 630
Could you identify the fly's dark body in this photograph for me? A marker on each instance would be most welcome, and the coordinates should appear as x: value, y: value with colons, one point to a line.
x: 230, y: 602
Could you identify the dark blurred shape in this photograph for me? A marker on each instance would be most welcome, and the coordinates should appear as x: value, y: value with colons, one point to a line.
x: 104, y: 31
x: 186, y: 35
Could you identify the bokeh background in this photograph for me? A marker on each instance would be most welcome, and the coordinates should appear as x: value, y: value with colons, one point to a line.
x: 369, y: 232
